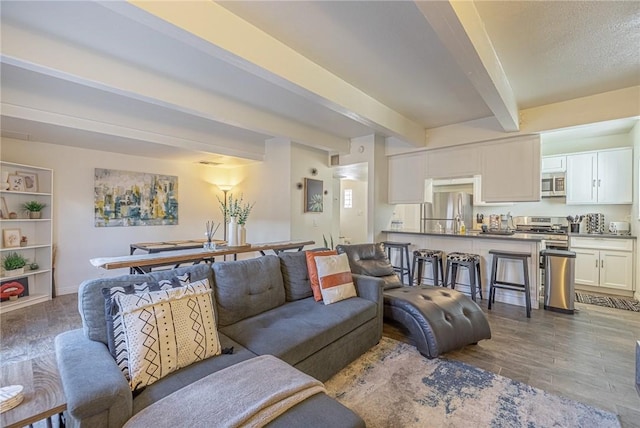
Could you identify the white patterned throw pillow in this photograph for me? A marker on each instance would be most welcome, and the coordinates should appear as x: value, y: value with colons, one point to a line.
x: 167, y: 330
x: 336, y: 282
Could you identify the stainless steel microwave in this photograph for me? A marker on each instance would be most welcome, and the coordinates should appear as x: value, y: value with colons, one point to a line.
x: 553, y: 185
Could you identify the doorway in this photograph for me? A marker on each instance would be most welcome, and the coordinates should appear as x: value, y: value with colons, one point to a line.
x: 351, y: 184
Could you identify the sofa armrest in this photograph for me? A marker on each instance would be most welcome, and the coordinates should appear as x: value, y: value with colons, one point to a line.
x: 370, y: 288
x: 94, y: 386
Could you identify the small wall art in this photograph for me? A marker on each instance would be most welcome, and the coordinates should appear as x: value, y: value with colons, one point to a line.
x: 313, y: 199
x: 126, y: 198
x: 16, y: 183
x: 14, y: 289
x: 30, y: 180
x: 11, y: 238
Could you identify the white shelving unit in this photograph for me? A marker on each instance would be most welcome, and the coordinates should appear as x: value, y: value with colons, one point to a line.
x: 39, y: 233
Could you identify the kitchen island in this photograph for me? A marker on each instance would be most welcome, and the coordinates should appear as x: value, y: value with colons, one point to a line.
x: 480, y: 243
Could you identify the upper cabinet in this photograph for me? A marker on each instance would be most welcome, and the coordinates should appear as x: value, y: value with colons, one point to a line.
x: 407, y: 178
x: 511, y: 170
x: 600, y: 177
x: 453, y: 162
x: 554, y: 164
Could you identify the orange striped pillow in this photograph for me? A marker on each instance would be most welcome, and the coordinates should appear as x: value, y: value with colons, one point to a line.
x: 336, y: 282
x: 313, y: 271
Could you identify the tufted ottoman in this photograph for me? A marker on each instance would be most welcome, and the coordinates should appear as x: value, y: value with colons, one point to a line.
x: 438, y: 319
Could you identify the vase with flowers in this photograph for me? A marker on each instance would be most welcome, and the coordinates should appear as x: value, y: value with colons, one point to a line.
x: 237, y: 211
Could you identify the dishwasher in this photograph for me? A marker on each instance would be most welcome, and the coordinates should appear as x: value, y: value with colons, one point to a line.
x: 559, y: 280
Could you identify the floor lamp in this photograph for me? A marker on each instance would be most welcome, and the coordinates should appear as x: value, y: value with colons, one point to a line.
x: 225, y: 189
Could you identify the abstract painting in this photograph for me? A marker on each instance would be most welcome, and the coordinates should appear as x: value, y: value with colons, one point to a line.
x: 126, y: 198
x: 313, y: 201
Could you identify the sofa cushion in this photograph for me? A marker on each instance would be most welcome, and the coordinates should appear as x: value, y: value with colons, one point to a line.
x: 295, y: 275
x: 192, y: 373
x: 167, y: 330
x: 371, y: 260
x: 91, y: 304
x: 113, y: 315
x: 296, y: 330
x: 246, y: 288
x: 336, y: 282
x: 313, y: 270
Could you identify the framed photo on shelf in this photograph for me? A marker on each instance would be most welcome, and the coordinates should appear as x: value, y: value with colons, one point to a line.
x: 11, y: 238
x: 14, y: 289
x: 4, y: 211
x: 16, y: 183
x: 30, y: 180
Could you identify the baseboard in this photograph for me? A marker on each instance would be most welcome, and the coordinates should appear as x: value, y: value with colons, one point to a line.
x: 60, y: 291
x: 603, y: 290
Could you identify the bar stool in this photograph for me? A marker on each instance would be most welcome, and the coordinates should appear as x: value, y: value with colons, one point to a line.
x: 422, y: 256
x: 404, y: 268
x: 469, y: 261
x: 494, y: 283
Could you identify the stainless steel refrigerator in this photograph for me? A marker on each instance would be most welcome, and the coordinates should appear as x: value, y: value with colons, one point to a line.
x: 440, y: 215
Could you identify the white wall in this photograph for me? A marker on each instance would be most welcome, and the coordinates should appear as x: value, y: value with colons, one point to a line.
x: 277, y: 214
x: 74, y: 234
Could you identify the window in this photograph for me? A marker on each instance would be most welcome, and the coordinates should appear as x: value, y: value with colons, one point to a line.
x: 348, y: 198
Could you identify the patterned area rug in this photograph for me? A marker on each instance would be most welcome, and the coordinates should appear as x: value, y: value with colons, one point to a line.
x: 610, y: 302
x: 392, y: 385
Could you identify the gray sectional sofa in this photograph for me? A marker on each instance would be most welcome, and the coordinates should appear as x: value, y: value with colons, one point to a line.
x: 263, y: 306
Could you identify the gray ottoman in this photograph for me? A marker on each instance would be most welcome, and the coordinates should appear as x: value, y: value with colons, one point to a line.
x: 439, y: 320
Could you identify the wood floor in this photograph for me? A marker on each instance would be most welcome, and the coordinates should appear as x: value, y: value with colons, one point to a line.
x: 588, y: 357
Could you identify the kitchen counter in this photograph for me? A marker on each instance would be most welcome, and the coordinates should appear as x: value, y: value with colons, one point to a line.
x: 601, y: 235
x: 476, y: 242
x: 474, y: 234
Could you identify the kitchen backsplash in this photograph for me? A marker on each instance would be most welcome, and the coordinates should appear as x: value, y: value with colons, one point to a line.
x: 409, y: 215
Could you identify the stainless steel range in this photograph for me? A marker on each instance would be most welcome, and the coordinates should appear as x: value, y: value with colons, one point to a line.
x: 554, y: 230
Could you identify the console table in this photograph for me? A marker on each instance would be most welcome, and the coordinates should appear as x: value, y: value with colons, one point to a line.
x: 143, y: 263
x: 157, y: 247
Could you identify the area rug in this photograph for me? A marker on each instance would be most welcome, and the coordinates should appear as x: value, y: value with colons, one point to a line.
x: 392, y: 385
x: 610, y: 302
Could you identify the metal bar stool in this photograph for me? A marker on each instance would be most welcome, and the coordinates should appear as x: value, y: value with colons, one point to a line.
x: 494, y: 283
x: 404, y: 268
x: 469, y: 261
x: 422, y: 256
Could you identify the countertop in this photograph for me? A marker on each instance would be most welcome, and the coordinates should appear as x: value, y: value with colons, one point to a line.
x: 473, y: 234
x: 601, y: 235
x: 515, y: 236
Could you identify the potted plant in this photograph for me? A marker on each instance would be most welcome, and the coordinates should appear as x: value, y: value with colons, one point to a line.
x: 13, y: 264
x: 34, y: 208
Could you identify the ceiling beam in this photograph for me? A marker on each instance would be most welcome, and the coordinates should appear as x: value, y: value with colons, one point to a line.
x: 460, y: 29
x: 216, y: 31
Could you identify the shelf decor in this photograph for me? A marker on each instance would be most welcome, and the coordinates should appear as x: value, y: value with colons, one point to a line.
x: 126, y: 198
x: 11, y: 238
x: 14, y: 289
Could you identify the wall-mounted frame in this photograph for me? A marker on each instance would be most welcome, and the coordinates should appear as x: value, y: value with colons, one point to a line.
x: 11, y: 238
x: 30, y: 180
x: 129, y: 198
x: 313, y: 199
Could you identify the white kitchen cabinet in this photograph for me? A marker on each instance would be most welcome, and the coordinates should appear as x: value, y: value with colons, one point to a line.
x: 453, y: 162
x: 511, y: 170
x: 554, y: 164
x: 38, y: 232
x: 407, y: 178
x: 602, y: 262
x: 600, y: 177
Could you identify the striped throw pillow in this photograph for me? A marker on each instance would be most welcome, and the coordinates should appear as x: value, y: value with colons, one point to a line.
x: 336, y: 282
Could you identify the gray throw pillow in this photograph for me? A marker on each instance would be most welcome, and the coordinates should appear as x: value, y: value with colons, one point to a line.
x: 295, y: 275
